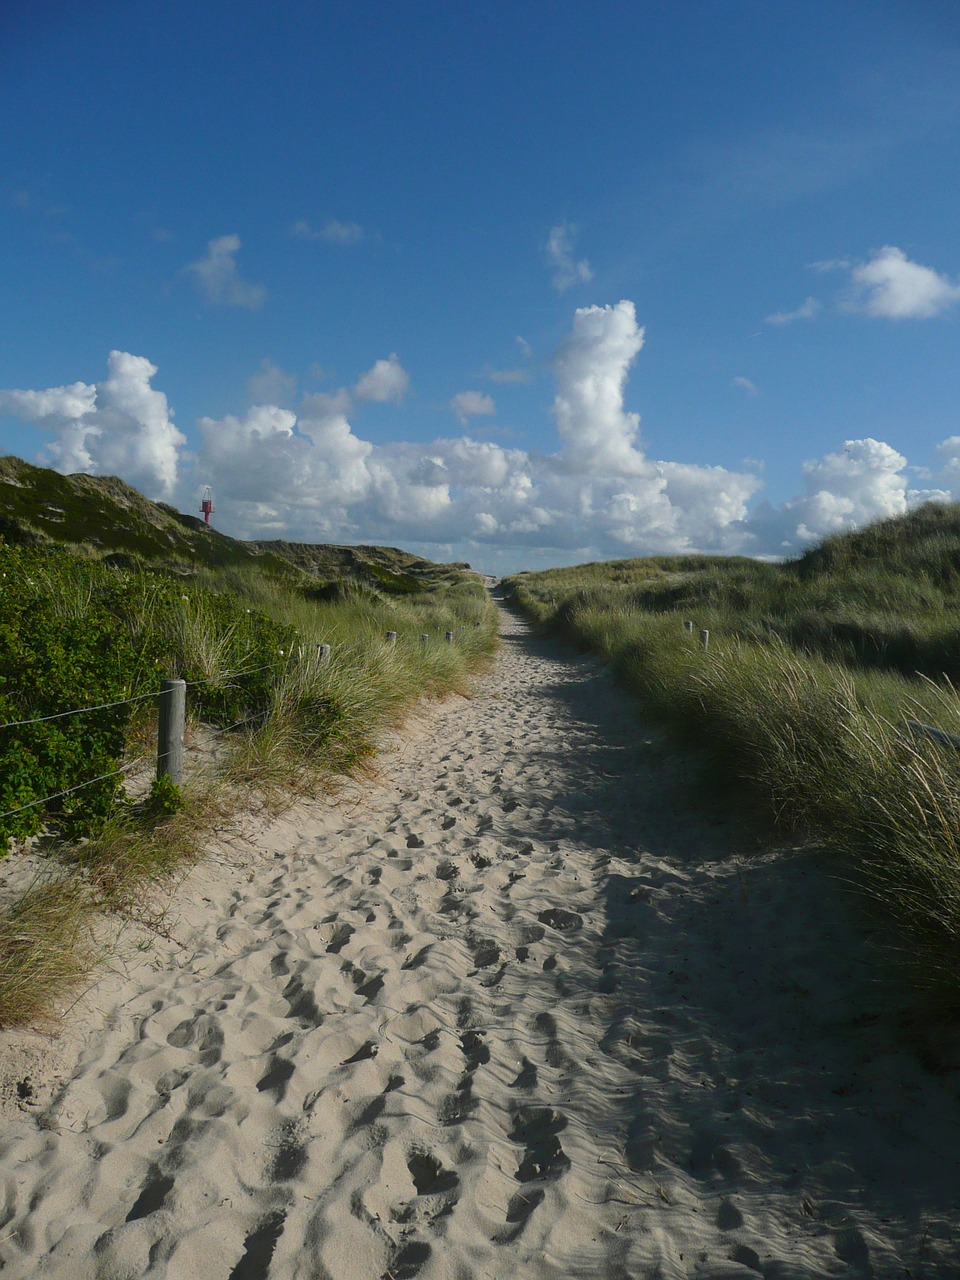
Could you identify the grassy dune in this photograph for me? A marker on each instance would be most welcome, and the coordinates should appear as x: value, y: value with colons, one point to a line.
x: 78, y: 629
x: 812, y: 669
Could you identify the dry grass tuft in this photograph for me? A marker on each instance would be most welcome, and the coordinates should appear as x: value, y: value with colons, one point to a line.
x: 46, y: 948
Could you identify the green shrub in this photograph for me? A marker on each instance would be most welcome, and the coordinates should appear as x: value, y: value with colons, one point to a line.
x: 165, y: 799
x: 75, y: 634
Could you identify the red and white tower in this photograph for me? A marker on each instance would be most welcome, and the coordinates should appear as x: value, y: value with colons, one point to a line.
x: 206, y: 506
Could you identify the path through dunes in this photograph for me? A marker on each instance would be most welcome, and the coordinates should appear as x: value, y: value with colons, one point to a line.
x: 520, y: 1012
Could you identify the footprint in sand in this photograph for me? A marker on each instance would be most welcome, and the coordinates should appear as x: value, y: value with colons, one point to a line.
x: 485, y: 951
x: 494, y: 979
x: 607, y: 982
x: 729, y: 1217
x: 438, y: 1191
x: 302, y: 1005
x: 543, y: 1157
x: 258, y: 1248
x: 429, y: 1176
x: 408, y: 1261
x: 708, y: 1155
x: 370, y: 988
x: 543, y: 1160
x: 202, y: 1032
x: 368, y: 1050
x: 527, y: 1076
x: 560, y: 919
x: 415, y: 961
x: 747, y: 1257
x: 152, y: 1195
x: 458, y: 1105
x: 475, y: 1051
x: 339, y: 939
x: 274, y: 1080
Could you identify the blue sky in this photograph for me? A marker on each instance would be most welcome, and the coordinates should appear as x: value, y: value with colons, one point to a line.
x: 409, y: 273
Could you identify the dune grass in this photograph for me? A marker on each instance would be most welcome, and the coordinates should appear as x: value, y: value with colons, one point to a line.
x: 286, y: 722
x: 46, y: 947
x: 812, y: 669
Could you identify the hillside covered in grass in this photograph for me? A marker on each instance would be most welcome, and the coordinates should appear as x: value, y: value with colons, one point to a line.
x: 102, y: 517
x: 296, y: 659
x: 812, y: 671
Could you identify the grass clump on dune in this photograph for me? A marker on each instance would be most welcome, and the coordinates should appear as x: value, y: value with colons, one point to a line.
x: 326, y: 715
x: 812, y: 670
x: 46, y: 946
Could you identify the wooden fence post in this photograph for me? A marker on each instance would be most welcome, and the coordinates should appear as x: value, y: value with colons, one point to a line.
x: 449, y: 637
x: 424, y: 639
x: 173, y: 709
x: 391, y: 637
x: 689, y: 625
x: 704, y: 639
x: 323, y: 653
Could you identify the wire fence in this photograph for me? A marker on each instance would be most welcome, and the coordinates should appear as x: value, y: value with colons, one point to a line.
x: 68, y: 791
x: 139, y: 697
x: 170, y: 736
x: 130, y: 765
x: 78, y: 711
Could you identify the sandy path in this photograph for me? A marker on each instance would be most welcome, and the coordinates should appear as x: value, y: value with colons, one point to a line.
x: 519, y: 1013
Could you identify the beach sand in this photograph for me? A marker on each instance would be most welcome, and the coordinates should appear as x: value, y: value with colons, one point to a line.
x: 518, y: 1008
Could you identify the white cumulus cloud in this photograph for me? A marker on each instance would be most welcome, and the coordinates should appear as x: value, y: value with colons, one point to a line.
x: 219, y: 279
x: 892, y: 286
x: 386, y: 380
x: 53, y: 405
x: 859, y: 482
x: 310, y: 475
x: 863, y: 481
x: 591, y: 368
x: 121, y: 426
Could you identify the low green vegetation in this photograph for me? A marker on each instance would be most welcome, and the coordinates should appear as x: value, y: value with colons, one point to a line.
x: 811, y: 671
x: 87, y: 627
